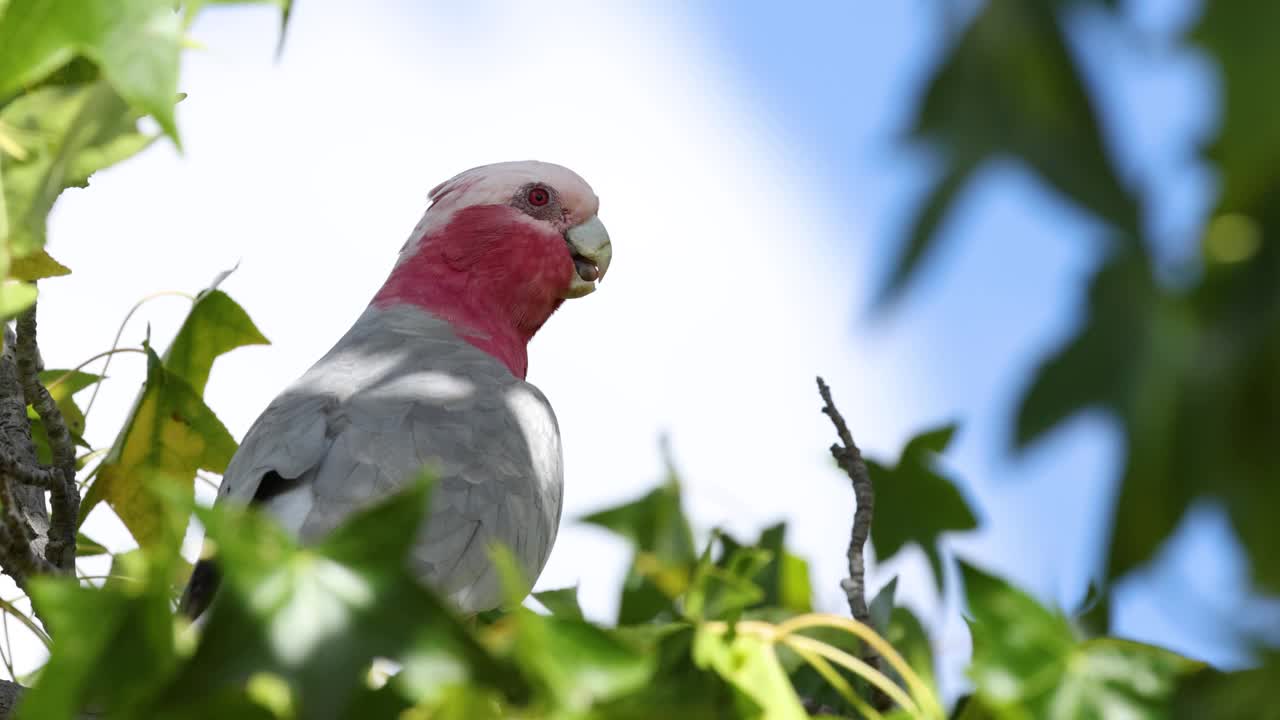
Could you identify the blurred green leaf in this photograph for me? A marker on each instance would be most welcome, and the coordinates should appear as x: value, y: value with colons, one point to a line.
x: 881, y: 606
x: 1009, y: 86
x: 562, y: 602
x: 1239, y: 36
x: 36, y: 266
x: 115, y: 644
x: 665, y: 555
x: 925, y: 229
x: 1027, y: 662
x: 722, y: 592
x: 134, y: 42
x: 88, y: 547
x: 1252, y: 694
x: 750, y: 664
x: 654, y: 524
x: 15, y: 297
x: 785, y: 578
x: 66, y: 132
x: 317, y: 617
x: 1194, y: 379
x: 915, y: 502
x: 908, y: 637
x: 170, y: 435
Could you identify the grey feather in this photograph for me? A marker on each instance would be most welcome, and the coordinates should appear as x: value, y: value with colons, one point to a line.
x: 401, y: 391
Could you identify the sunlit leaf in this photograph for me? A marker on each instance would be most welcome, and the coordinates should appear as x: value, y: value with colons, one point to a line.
x: 317, y: 617
x: 1027, y: 662
x: 115, y: 644
x: 749, y: 663
x: 170, y: 436
x: 15, y: 297
x: 134, y: 42
x: 215, y: 325
x: 67, y: 133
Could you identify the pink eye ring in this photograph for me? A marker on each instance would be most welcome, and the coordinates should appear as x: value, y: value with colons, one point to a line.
x: 539, y: 196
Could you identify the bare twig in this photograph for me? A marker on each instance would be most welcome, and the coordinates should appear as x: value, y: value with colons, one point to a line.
x: 64, y: 496
x: 849, y: 458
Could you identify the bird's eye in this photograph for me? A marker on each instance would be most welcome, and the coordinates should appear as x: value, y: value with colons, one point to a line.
x: 539, y: 196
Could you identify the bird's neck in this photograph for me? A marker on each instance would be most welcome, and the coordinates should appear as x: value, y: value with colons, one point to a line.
x: 492, y: 274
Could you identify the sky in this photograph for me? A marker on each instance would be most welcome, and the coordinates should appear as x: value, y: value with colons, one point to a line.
x: 749, y: 161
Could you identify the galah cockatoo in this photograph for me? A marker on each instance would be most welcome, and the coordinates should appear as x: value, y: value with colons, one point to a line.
x: 432, y: 375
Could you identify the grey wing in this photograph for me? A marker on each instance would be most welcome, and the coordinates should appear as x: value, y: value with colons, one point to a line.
x: 290, y: 439
x: 280, y: 452
x: 496, y: 455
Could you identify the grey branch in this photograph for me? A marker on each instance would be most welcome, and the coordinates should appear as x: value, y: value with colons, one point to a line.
x: 849, y: 458
x: 24, y: 519
x: 64, y: 496
x: 33, y: 474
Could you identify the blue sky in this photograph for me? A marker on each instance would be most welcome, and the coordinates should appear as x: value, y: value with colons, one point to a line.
x: 747, y: 159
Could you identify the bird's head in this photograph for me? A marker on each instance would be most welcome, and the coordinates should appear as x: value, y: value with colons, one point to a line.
x: 549, y: 200
x: 499, y: 249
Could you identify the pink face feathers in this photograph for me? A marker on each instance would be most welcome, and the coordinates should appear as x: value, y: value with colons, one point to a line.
x: 491, y: 256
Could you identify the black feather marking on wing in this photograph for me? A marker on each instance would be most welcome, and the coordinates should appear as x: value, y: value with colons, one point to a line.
x: 206, y: 576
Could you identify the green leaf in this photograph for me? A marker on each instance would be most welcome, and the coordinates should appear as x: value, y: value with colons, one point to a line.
x: 908, y: 637
x: 562, y: 602
x: 66, y: 132
x: 785, y: 579
x: 15, y: 297
x: 36, y: 266
x: 88, y: 547
x: 662, y: 566
x: 1192, y: 376
x: 1247, y: 149
x: 925, y: 229
x: 286, y: 11
x: 749, y: 663
x: 135, y: 43
x: 915, y: 502
x: 722, y: 592
x: 170, y: 435
x: 1009, y: 86
x: 655, y: 524
x: 215, y: 325
x: 1240, y: 695
x: 881, y: 606
x: 62, y: 386
x: 115, y: 644
x: 316, y: 617
x: 1027, y: 662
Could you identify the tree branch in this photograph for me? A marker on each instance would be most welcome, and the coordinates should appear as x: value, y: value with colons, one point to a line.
x: 64, y: 496
x: 24, y: 519
x: 849, y: 458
